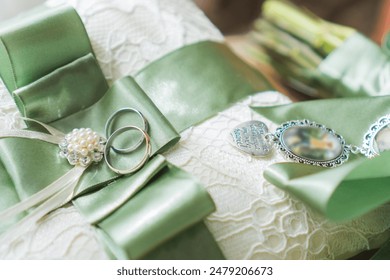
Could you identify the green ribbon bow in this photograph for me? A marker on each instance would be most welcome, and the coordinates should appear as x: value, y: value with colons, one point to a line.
x: 64, y: 87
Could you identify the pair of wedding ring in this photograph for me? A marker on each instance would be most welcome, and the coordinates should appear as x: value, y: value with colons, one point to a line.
x: 112, y: 135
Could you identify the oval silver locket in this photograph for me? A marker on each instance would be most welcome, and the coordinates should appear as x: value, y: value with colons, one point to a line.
x: 377, y: 138
x: 307, y: 142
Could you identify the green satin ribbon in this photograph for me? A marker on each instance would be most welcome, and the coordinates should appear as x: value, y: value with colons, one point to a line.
x: 124, y: 93
x: 179, y: 209
x: 58, y: 89
x: 8, y: 197
x: 24, y: 159
x: 347, y: 191
x: 65, y: 88
x: 35, y: 44
x: 359, y: 67
x: 196, y: 82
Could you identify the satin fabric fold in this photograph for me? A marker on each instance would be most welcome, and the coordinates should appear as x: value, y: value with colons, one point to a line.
x: 358, y: 67
x: 98, y: 205
x: 39, y: 158
x: 208, y: 79
x: 143, y: 214
x: 64, y: 192
x: 347, y: 191
x: 81, y: 79
x: 8, y: 197
x: 37, y: 43
x: 124, y: 93
x: 102, y: 204
x: 198, y: 81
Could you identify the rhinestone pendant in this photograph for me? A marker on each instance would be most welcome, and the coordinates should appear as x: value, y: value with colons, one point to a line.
x: 82, y: 147
x: 249, y: 137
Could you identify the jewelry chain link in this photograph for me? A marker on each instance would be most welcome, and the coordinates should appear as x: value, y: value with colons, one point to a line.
x: 356, y: 150
x: 270, y: 137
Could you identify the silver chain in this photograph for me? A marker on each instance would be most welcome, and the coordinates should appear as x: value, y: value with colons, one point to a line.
x: 270, y: 138
x: 356, y: 150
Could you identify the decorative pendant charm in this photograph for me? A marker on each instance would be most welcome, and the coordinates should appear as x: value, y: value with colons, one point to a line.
x: 377, y: 139
x: 311, y: 143
x: 302, y: 141
x: 250, y: 137
x: 82, y: 147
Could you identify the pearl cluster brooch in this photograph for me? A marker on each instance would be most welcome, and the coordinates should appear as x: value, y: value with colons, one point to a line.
x: 82, y: 147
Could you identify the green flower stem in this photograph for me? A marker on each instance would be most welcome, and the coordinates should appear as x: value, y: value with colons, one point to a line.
x: 322, y: 36
x: 277, y: 40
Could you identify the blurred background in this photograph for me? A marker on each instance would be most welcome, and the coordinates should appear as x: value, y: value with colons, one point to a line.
x: 235, y: 20
x: 371, y: 17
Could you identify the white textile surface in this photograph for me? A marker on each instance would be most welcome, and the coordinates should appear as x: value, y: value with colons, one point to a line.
x: 254, y: 219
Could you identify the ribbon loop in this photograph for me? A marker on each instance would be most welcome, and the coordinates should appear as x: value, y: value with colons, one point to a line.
x: 37, y: 43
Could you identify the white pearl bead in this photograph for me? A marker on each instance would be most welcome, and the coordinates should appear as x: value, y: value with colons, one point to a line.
x: 83, y: 143
x: 84, y: 152
x: 90, y: 147
x: 90, y: 138
x: 70, y: 147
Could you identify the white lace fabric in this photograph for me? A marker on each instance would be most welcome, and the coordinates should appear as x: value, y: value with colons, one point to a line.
x: 254, y: 219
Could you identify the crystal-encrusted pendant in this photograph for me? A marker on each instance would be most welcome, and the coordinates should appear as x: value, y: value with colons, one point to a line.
x: 82, y: 147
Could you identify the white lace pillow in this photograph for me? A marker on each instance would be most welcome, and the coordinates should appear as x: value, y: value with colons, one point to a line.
x: 254, y: 220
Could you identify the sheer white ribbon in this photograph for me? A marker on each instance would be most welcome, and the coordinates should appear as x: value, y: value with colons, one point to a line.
x: 62, y: 190
x: 49, y: 198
